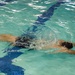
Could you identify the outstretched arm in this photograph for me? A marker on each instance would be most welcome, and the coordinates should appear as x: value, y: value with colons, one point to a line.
x: 65, y: 51
x: 7, y: 38
x: 71, y: 51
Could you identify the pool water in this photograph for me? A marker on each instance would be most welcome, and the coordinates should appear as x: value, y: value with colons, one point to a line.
x: 15, y: 17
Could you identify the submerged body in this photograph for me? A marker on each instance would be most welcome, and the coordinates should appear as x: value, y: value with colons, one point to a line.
x: 30, y: 43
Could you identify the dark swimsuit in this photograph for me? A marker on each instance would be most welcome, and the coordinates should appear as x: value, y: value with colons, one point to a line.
x: 23, y: 42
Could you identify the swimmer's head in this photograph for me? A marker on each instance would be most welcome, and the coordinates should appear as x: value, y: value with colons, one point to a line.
x: 67, y: 45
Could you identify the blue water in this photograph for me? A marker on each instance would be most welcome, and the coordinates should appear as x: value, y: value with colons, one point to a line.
x: 18, y: 16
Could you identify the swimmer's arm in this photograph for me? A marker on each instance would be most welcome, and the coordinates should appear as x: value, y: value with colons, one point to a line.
x: 71, y: 51
x: 65, y: 51
x: 7, y: 38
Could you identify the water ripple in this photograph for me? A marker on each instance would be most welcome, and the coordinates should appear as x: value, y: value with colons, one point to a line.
x: 36, y: 6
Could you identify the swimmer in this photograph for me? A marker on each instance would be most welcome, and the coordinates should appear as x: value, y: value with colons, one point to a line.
x: 26, y: 42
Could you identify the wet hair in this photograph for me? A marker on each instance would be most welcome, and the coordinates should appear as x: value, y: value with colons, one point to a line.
x: 67, y: 45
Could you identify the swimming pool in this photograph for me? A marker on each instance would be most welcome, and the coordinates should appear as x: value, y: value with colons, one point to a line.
x: 17, y: 16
